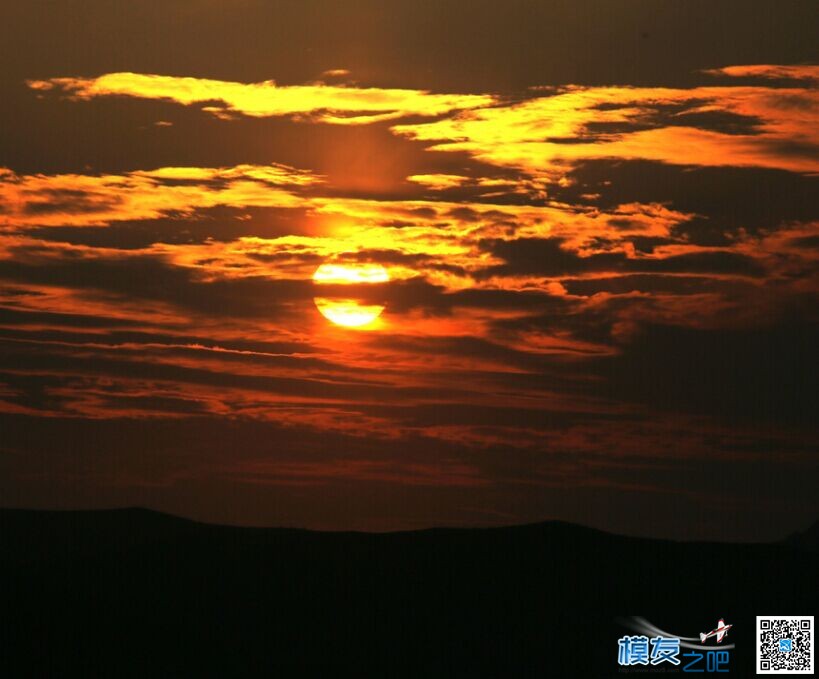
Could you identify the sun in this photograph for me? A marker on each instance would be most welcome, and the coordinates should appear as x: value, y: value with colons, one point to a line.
x: 348, y: 310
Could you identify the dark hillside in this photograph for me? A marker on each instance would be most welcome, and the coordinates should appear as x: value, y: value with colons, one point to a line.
x: 133, y: 592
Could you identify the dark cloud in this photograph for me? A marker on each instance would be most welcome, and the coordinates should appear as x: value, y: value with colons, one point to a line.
x: 149, y: 277
x: 475, y: 349
x: 550, y: 257
x: 754, y: 374
x: 418, y: 293
x: 69, y: 201
x: 351, y: 387
x: 545, y: 257
x: 223, y: 224
x: 70, y: 329
x: 659, y: 284
x: 807, y: 242
x: 681, y: 114
x: 725, y: 201
x: 274, y: 473
x: 75, y: 320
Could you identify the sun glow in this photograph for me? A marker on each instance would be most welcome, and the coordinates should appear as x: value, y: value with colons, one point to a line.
x: 348, y: 311
x: 351, y: 273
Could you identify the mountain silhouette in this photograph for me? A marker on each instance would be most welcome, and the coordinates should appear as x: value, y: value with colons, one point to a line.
x: 807, y: 539
x: 134, y: 592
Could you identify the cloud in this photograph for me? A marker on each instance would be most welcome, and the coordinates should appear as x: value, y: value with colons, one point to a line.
x: 566, y: 266
x: 438, y: 181
x: 548, y: 257
x: 769, y: 71
x: 758, y: 373
x: 724, y: 203
x: 320, y: 102
x: 96, y: 200
x: 547, y: 135
x: 336, y: 73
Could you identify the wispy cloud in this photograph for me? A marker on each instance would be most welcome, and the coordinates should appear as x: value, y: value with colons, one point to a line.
x: 703, y: 126
x: 97, y: 200
x: 319, y: 102
x: 770, y: 71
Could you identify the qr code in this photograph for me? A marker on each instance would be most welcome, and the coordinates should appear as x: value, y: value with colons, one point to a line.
x: 784, y: 644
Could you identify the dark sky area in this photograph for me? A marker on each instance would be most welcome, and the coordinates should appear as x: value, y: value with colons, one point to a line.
x: 391, y: 265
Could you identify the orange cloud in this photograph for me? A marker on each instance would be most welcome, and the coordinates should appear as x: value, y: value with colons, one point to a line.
x: 547, y: 135
x: 773, y: 71
x: 438, y: 181
x: 97, y: 200
x: 435, y: 239
x: 336, y: 73
x: 325, y: 103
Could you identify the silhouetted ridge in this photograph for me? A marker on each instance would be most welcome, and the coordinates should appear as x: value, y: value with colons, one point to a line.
x: 132, y: 588
x: 807, y: 539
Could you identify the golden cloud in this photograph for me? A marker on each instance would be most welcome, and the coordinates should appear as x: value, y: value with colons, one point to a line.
x: 547, y: 135
x: 772, y: 71
x: 97, y: 200
x: 325, y: 103
x: 438, y: 182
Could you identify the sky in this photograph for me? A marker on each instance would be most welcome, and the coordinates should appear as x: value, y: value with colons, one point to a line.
x: 567, y: 258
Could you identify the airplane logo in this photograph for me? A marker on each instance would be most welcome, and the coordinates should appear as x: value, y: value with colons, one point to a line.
x: 720, y: 632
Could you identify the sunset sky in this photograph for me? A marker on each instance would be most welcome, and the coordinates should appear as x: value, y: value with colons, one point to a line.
x: 589, y: 229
